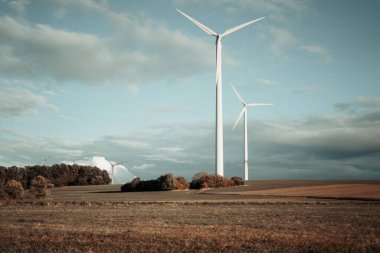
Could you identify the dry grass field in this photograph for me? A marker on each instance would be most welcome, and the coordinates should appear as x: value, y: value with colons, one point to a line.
x: 265, y: 216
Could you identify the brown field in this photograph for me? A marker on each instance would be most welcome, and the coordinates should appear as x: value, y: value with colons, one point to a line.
x: 338, y: 191
x: 265, y: 216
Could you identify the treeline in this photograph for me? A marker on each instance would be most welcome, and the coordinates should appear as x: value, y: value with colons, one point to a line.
x: 169, y: 182
x: 57, y: 174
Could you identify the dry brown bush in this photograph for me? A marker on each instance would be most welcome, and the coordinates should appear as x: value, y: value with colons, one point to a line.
x: 134, y: 185
x: 238, y: 180
x: 14, y: 189
x: 3, y: 175
x: 202, y: 180
x: 165, y: 182
x: 3, y: 194
x: 39, y: 187
x: 182, y: 183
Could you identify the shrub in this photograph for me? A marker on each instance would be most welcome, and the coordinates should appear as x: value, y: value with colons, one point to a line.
x: 167, y: 182
x: 198, y: 180
x: 237, y: 180
x: 3, y: 175
x: 39, y: 187
x: 182, y: 183
x: 3, y: 194
x: 132, y: 186
x: 14, y: 189
x: 199, y: 175
x: 202, y: 180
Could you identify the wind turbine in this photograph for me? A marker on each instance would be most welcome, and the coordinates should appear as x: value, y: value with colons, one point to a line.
x: 245, y: 112
x: 219, y: 163
x: 113, y: 164
x: 44, y: 160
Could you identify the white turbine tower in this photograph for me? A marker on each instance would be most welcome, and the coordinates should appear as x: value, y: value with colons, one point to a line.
x: 219, y: 164
x: 245, y: 111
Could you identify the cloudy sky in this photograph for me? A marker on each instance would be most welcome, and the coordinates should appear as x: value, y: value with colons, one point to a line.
x: 87, y: 81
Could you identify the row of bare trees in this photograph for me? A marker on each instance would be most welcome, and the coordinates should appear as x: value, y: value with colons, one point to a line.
x: 57, y: 174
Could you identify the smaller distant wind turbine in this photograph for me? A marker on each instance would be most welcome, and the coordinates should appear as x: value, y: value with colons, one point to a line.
x: 113, y: 164
x: 44, y: 160
x: 245, y: 111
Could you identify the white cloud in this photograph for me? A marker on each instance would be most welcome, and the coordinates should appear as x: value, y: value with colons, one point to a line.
x: 266, y: 84
x: 143, y: 166
x: 171, y: 149
x: 281, y: 39
x: 127, y: 141
x: 133, y: 144
x: 163, y: 158
x: 133, y: 88
x: 317, y: 50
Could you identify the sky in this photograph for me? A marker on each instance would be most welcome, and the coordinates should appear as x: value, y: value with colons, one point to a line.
x: 101, y: 82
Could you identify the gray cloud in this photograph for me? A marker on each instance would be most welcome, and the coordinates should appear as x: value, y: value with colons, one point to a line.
x: 339, y: 142
x: 136, y: 51
x: 319, y: 146
x: 360, y: 103
x: 17, y: 101
x: 18, y: 6
x: 274, y: 9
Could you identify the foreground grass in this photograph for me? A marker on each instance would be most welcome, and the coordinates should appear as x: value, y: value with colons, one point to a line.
x: 191, y: 226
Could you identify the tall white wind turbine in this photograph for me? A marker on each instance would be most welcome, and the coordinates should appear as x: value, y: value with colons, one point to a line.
x: 245, y: 112
x: 219, y: 161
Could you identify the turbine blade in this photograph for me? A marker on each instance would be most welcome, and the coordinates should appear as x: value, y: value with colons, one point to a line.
x: 241, y: 114
x: 238, y: 95
x: 259, y: 104
x: 234, y: 29
x: 203, y: 27
x: 122, y: 162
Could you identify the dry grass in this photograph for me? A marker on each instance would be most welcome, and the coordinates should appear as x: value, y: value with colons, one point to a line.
x: 205, y: 227
x: 96, y: 220
x: 358, y: 191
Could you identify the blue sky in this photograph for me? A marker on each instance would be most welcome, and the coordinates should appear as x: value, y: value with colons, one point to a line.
x: 134, y: 80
